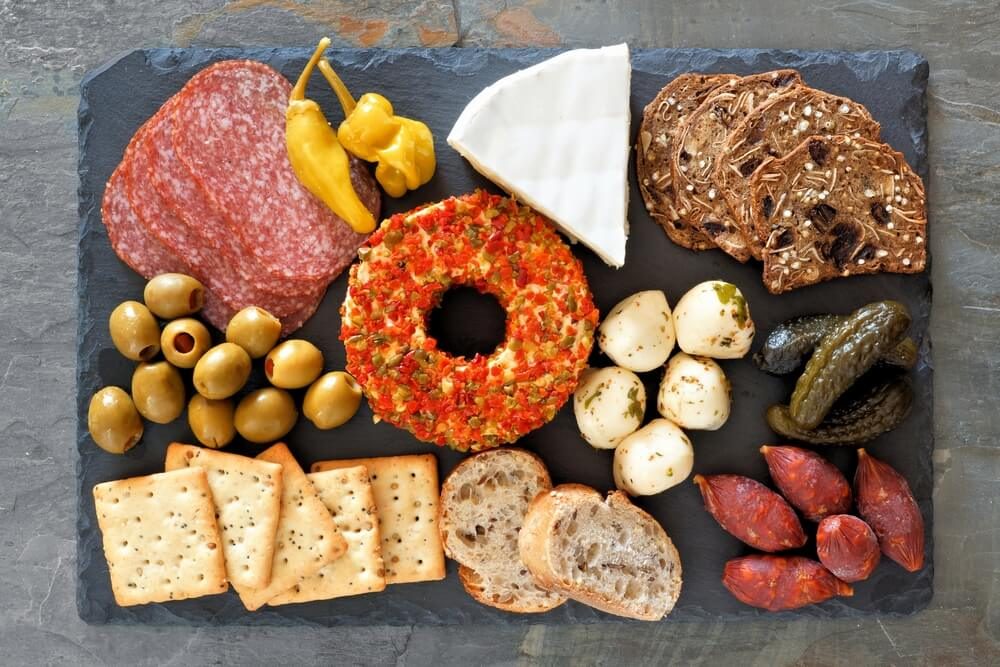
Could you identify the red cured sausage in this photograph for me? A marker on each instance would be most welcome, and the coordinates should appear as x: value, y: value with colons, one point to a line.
x: 847, y: 546
x: 777, y: 583
x: 809, y: 482
x: 887, y: 504
x: 751, y: 512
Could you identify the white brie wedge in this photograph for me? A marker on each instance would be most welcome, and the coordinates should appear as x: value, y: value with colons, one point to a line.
x: 556, y: 136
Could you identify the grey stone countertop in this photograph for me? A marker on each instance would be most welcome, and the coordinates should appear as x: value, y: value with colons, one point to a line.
x: 46, y: 47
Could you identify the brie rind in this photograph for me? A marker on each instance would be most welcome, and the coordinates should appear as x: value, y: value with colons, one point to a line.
x: 556, y: 136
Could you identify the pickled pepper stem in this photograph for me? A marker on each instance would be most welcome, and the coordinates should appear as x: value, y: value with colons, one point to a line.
x: 347, y: 102
x: 299, y: 91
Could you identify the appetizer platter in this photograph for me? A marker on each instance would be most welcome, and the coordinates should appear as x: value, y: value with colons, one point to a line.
x: 513, y: 336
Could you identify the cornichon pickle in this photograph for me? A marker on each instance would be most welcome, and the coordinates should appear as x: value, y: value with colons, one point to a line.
x: 881, y: 407
x: 790, y: 341
x: 844, y: 355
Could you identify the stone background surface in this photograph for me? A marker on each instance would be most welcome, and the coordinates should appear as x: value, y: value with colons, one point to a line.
x: 45, y: 48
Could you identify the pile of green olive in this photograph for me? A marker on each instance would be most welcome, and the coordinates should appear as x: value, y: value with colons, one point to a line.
x: 220, y: 372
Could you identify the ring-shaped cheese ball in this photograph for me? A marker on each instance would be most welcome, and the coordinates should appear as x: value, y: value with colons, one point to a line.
x: 501, y: 248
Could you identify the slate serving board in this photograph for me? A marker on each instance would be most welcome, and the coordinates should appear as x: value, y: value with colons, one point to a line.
x: 434, y: 85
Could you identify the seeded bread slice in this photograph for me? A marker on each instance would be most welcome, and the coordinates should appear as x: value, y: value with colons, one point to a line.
x: 483, y: 502
x: 701, y: 141
x: 773, y: 131
x: 838, y: 206
x: 661, y: 120
x: 604, y: 552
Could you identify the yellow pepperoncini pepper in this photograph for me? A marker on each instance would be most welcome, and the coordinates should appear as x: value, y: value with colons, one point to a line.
x: 403, y: 148
x: 317, y: 157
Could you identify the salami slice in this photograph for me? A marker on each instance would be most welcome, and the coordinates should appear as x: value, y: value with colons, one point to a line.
x: 231, y: 136
x: 212, y: 269
x: 197, y: 228
x: 145, y: 255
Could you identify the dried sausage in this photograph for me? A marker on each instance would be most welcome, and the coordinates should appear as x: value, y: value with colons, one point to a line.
x: 777, y: 583
x: 847, y: 546
x: 751, y: 512
x: 887, y: 504
x: 809, y: 482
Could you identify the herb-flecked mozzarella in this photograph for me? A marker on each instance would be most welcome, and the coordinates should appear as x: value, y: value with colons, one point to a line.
x: 713, y: 320
x: 653, y: 459
x: 638, y: 333
x: 609, y: 404
x: 694, y: 393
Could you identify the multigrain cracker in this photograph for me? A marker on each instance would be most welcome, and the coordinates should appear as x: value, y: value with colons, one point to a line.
x: 406, y: 494
x: 700, y: 142
x: 160, y: 537
x: 307, y: 538
x: 348, y: 494
x: 247, y: 497
x: 661, y: 122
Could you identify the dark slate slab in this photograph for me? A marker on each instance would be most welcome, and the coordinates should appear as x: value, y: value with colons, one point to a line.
x: 434, y: 85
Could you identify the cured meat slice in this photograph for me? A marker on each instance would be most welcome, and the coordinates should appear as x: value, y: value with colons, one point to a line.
x: 190, y: 225
x: 132, y: 242
x: 233, y: 143
x: 144, y: 254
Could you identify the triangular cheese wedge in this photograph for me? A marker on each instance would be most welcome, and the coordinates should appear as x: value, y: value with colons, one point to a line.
x: 556, y: 136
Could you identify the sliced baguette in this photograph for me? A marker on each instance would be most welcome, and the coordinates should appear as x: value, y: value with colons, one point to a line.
x: 604, y: 552
x: 483, y: 502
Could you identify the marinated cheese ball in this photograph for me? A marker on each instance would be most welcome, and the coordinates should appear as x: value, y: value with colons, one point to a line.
x: 609, y: 404
x: 638, y: 333
x: 713, y: 320
x: 694, y: 393
x: 653, y: 459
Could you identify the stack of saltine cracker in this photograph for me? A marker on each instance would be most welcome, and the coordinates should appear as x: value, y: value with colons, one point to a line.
x: 278, y: 535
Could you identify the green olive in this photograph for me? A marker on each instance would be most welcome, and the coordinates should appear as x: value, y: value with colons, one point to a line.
x: 222, y: 371
x: 158, y: 392
x: 113, y: 421
x: 266, y: 415
x: 255, y: 330
x: 211, y: 421
x: 134, y: 331
x: 332, y: 400
x: 293, y: 364
x: 184, y: 342
x: 171, y: 295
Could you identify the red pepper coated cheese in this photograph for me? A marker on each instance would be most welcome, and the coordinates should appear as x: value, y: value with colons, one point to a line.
x: 498, y: 247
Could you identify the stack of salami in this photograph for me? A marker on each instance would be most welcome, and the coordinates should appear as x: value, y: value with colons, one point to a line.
x: 205, y: 188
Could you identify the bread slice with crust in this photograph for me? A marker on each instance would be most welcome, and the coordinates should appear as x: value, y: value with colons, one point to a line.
x: 604, y: 552
x: 482, y: 506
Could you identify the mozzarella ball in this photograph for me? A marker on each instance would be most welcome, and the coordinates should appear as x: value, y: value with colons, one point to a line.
x: 713, y: 320
x: 609, y: 403
x: 694, y: 393
x: 638, y: 333
x: 653, y: 459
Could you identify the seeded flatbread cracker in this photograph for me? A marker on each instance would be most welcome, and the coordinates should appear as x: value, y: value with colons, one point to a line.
x: 307, y: 538
x: 838, y: 206
x: 247, y: 497
x: 661, y: 120
x: 160, y: 537
x: 348, y: 494
x: 700, y: 142
x: 406, y: 494
x: 774, y: 130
